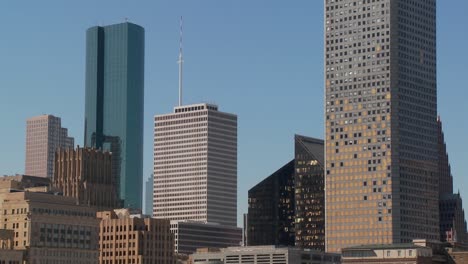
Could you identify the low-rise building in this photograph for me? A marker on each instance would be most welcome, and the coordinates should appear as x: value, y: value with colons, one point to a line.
x: 395, y: 253
x: 50, y: 228
x: 126, y: 238
x: 191, y: 235
x: 263, y: 255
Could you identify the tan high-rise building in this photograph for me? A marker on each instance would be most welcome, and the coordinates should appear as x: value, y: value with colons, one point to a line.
x: 133, y: 239
x: 44, y: 135
x: 195, y: 165
x: 381, y: 131
x: 50, y: 227
x: 86, y: 175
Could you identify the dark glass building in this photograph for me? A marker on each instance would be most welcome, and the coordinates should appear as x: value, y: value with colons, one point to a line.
x: 453, y: 228
x: 114, y: 103
x: 271, y: 209
x: 288, y: 207
x: 310, y: 193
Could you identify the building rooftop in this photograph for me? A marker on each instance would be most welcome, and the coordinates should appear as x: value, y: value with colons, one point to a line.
x: 384, y: 246
x: 195, y: 107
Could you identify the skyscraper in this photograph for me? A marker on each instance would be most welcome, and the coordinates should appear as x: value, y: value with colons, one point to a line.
x: 44, y: 135
x: 114, y: 103
x: 271, y: 209
x: 195, y: 165
x: 309, y: 193
x: 381, y: 131
x: 288, y: 207
x: 453, y: 227
x: 86, y: 175
x: 149, y: 196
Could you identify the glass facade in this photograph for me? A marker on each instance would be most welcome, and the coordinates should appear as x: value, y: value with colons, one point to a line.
x: 288, y: 207
x: 114, y: 103
x: 271, y: 209
x: 309, y: 193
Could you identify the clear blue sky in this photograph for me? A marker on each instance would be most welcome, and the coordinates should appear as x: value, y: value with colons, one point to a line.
x: 261, y: 60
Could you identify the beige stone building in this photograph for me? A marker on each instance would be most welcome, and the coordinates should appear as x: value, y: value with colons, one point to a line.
x: 44, y: 135
x: 134, y: 239
x: 49, y: 227
x: 381, y: 180
x: 7, y: 254
x: 86, y: 175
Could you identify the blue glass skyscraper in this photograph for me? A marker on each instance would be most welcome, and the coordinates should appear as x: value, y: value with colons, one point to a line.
x: 114, y: 102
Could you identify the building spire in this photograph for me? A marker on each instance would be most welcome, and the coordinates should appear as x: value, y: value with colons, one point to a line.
x: 180, y: 62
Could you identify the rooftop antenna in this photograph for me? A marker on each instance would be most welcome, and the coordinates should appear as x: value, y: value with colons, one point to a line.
x: 180, y: 62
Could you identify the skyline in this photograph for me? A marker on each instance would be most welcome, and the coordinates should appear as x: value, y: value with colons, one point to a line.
x: 278, y: 61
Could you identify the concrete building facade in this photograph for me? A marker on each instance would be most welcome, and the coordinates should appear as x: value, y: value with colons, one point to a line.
x: 190, y: 235
x: 50, y: 228
x: 263, y: 255
x: 44, y: 135
x: 381, y: 130
x: 134, y: 239
x: 398, y: 253
x: 86, y: 175
x: 195, y: 165
x: 8, y: 255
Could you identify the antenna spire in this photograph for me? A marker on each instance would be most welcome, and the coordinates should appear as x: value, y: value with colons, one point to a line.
x: 180, y: 62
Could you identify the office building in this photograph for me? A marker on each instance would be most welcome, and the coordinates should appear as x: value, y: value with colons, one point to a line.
x: 44, y: 135
x: 420, y: 251
x: 50, y: 228
x: 396, y: 253
x: 195, y: 165
x: 445, y: 171
x: 190, y: 235
x: 264, y: 255
x: 128, y: 239
x: 21, y: 182
x: 309, y: 193
x: 149, y: 196
x: 453, y: 227
x: 288, y: 207
x: 86, y: 175
x: 381, y: 131
x: 114, y: 103
x: 8, y: 255
x: 271, y: 209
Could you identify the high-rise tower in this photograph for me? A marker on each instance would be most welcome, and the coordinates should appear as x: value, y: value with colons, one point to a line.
x: 44, y: 136
x: 195, y: 165
x: 381, y: 130
x: 114, y: 103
